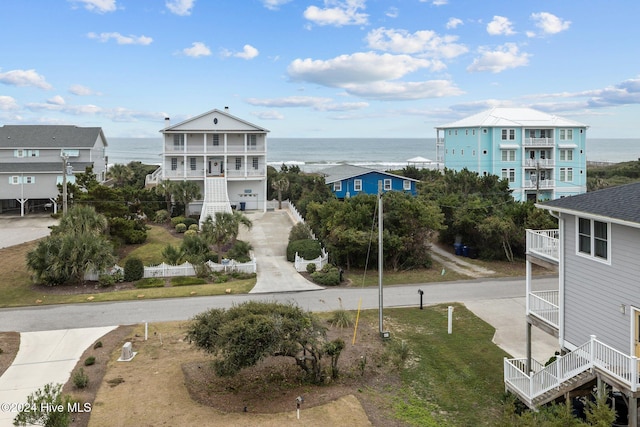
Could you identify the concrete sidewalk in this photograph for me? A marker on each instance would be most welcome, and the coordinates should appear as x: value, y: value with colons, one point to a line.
x: 269, y: 237
x: 43, y: 357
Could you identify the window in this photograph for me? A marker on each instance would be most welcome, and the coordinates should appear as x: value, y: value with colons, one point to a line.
x: 484, y: 130
x: 508, y: 134
x: 593, y: 238
x: 449, y: 131
x: 192, y: 163
x: 455, y: 132
x: 406, y: 185
x: 29, y: 180
x: 254, y: 162
x: 178, y: 141
x: 27, y: 153
x: 509, y: 174
x: 466, y: 131
x: 532, y: 133
x: 174, y: 163
x: 508, y: 155
x: 238, y: 163
x: 337, y: 186
x: 566, y: 155
x: 215, y: 140
x: 473, y: 131
x: 387, y: 184
x: 566, y: 174
x: 14, y: 180
x: 566, y: 134
x: 357, y: 185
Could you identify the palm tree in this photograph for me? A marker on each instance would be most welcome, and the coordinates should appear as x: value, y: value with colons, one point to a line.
x: 280, y: 185
x: 224, y: 229
x: 186, y: 191
x: 165, y: 188
x: 82, y: 219
x: 120, y: 174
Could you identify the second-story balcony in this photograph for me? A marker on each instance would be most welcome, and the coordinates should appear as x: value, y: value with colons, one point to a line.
x: 538, y: 142
x: 543, y: 184
x: 539, y: 163
x: 544, y: 244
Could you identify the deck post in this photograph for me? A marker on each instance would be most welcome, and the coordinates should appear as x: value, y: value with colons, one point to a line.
x: 633, y: 411
x: 528, y: 333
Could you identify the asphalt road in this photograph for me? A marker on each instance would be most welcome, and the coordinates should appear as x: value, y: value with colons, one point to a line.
x: 86, y: 315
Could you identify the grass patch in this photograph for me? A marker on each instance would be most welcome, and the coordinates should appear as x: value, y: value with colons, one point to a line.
x: 447, y: 380
x: 150, y: 252
x: 423, y: 275
x: 187, y: 281
x: 150, y: 282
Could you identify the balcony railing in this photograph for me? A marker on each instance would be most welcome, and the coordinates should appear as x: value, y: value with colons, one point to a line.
x: 543, y: 163
x: 543, y: 184
x: 544, y: 305
x: 544, y: 244
x: 538, y: 142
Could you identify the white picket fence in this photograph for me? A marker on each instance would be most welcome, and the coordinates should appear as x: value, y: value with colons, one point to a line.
x: 184, y: 269
x: 301, y: 263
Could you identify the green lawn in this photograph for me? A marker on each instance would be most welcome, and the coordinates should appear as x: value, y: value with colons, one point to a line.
x: 448, y: 380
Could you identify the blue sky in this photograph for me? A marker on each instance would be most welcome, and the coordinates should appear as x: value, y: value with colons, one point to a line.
x: 351, y: 68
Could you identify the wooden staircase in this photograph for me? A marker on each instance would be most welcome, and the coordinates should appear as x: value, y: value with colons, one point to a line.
x: 216, y: 198
x: 568, y: 386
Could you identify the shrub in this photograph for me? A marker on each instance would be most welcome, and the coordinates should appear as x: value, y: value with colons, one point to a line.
x: 300, y: 231
x: 341, y: 318
x: 191, y: 233
x: 240, y: 251
x: 181, y: 228
x: 89, y: 361
x: 171, y: 255
x: 177, y: 220
x: 327, y: 276
x: 194, y: 227
x: 97, y: 345
x: 188, y: 222
x: 80, y: 378
x: 130, y: 231
x: 135, y: 237
x: 161, y: 216
x: 308, y: 249
x: 106, y: 280
x: 118, y: 275
x: 311, y: 268
x: 150, y: 282
x: 133, y: 269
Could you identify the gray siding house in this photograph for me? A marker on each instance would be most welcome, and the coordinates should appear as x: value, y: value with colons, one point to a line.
x: 595, y: 312
x: 32, y: 159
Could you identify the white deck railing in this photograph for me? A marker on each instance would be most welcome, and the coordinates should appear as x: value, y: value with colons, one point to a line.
x: 544, y: 243
x: 544, y: 304
x: 592, y: 354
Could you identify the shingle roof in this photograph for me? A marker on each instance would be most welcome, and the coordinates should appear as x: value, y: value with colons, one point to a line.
x: 512, y: 117
x: 342, y: 172
x: 48, y: 136
x: 621, y: 203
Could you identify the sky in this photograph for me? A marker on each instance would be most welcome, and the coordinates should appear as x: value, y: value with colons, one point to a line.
x: 313, y: 68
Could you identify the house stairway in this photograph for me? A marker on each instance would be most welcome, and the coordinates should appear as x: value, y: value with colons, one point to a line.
x: 216, y: 198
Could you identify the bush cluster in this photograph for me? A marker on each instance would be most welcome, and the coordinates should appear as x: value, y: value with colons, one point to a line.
x: 130, y: 231
x: 328, y: 276
x: 89, y: 361
x: 308, y: 249
x: 80, y: 378
x: 181, y: 228
x: 161, y: 216
x: 133, y: 269
x: 300, y: 231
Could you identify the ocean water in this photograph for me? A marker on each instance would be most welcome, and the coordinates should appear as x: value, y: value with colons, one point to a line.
x: 312, y: 154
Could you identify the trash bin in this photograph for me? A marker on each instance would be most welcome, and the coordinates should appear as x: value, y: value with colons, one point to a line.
x: 465, y: 250
x: 473, y: 252
x: 243, y: 205
x: 457, y: 248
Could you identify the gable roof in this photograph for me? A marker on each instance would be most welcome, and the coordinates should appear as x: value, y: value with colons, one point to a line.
x: 342, y: 172
x: 512, y: 117
x: 198, y: 124
x: 49, y: 136
x: 619, y: 204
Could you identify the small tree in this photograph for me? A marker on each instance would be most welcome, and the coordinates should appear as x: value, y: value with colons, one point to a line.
x: 133, y: 269
x: 36, y: 408
x: 280, y: 184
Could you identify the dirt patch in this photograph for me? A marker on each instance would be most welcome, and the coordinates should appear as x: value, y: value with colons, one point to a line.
x: 170, y: 382
x: 9, y: 345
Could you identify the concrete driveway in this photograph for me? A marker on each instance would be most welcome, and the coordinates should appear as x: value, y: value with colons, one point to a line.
x: 15, y: 229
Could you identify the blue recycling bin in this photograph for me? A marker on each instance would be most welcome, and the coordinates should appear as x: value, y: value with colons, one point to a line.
x: 243, y: 205
x: 457, y: 248
x: 465, y: 250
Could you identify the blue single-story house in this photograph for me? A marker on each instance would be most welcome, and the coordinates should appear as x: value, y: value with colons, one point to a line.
x: 349, y: 180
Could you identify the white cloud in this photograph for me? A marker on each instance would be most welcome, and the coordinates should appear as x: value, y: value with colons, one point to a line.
x: 8, y: 103
x: 100, y: 6
x: 392, y: 12
x: 56, y: 100
x: 504, y: 57
x: 274, y: 4
x: 342, y: 13
x: 357, y: 68
x: 316, y: 103
x: 248, y: 52
x: 454, y: 23
x: 426, y: 41
x: 268, y: 115
x: 75, y: 110
x: 435, y: 2
x: 399, y: 91
x: 81, y: 90
x: 196, y: 50
x: 180, y: 7
x: 549, y: 23
x: 24, y: 78
x: 500, y: 26
x: 120, y: 39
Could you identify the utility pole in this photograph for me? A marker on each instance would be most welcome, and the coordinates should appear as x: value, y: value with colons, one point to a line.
x: 65, y: 157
